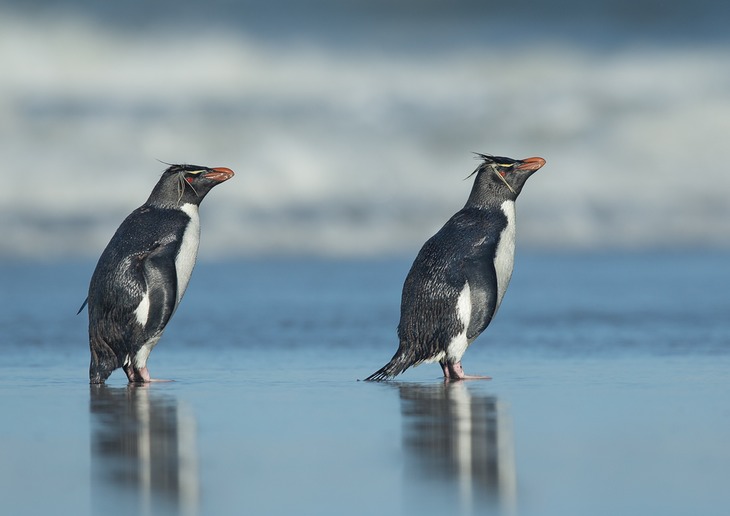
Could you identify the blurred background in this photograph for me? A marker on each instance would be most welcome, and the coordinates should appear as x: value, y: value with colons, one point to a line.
x: 351, y: 124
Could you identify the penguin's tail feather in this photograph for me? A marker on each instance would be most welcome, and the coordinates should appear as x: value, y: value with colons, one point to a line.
x: 86, y: 301
x: 396, y: 366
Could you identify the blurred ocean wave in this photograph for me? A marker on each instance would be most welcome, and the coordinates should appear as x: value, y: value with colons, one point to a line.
x: 351, y: 127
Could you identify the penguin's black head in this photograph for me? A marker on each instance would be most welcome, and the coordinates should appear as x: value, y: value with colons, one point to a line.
x: 502, y: 177
x: 181, y: 184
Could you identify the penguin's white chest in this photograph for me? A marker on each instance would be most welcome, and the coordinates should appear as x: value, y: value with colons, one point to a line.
x: 188, y: 253
x: 504, y: 257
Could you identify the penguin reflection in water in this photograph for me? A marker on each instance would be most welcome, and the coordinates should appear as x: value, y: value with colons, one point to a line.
x: 142, y: 274
x: 459, y: 277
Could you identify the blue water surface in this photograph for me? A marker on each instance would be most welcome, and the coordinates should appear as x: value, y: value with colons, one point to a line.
x: 609, y: 395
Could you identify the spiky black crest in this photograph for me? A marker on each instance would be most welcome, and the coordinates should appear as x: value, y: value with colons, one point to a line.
x: 494, y: 160
x: 488, y: 159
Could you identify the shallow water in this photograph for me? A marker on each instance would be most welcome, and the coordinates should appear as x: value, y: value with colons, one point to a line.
x: 609, y: 396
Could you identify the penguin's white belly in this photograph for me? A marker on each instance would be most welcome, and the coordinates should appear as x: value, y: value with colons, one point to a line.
x: 140, y: 358
x: 188, y: 253
x: 504, y: 257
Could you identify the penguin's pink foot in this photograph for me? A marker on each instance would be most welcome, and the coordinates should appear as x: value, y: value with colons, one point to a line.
x: 141, y: 375
x: 456, y: 372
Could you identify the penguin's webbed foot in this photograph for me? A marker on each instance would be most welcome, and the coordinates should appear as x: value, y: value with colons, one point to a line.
x: 141, y: 375
x: 454, y: 371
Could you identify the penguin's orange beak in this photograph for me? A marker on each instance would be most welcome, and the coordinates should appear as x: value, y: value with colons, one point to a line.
x: 219, y: 174
x: 530, y: 164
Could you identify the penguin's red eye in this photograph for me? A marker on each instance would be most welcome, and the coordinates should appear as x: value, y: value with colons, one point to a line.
x: 189, y: 179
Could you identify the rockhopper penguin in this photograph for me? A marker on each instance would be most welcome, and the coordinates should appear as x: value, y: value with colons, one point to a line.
x: 142, y: 274
x: 459, y: 277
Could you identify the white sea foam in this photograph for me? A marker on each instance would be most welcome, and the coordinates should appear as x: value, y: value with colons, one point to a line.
x: 355, y: 151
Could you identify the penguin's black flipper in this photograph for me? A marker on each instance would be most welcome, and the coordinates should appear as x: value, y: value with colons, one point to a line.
x: 482, y: 279
x: 161, y: 281
x: 83, y: 305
